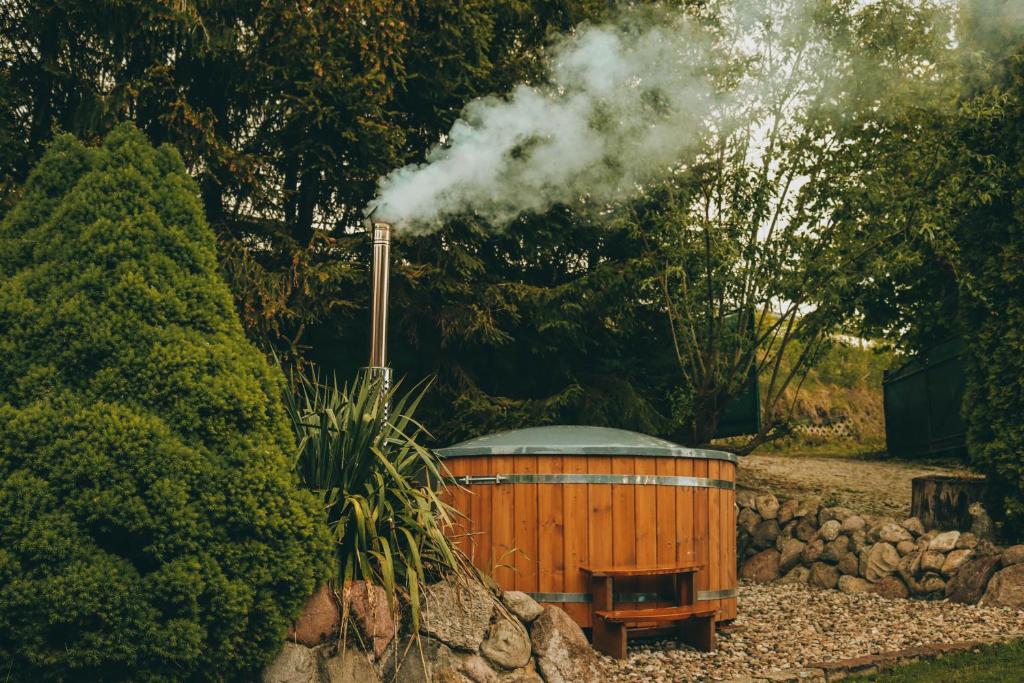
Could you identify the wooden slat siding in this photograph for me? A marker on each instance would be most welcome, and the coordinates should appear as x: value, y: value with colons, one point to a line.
x: 599, y: 537
x: 458, y: 498
x: 646, y: 505
x: 714, y: 573
x: 551, y: 540
x: 472, y: 468
x: 730, y: 533
x: 503, y: 525
x: 624, y: 526
x: 700, y: 517
x: 576, y: 519
x: 685, y: 524
x: 484, y: 493
x: 526, y: 526
x: 665, y: 502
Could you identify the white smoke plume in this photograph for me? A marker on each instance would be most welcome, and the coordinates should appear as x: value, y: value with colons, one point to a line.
x: 619, y: 106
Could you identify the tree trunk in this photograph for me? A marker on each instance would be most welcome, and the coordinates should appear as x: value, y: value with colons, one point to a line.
x: 942, y: 502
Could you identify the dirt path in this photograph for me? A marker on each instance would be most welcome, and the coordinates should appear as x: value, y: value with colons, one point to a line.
x: 872, y: 486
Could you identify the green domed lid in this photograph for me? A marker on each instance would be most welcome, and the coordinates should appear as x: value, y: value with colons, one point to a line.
x: 576, y: 440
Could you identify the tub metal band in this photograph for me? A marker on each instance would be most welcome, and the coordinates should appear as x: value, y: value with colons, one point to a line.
x: 570, y: 478
x: 630, y: 597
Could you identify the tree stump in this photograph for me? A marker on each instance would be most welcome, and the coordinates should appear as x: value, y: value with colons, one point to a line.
x: 942, y: 502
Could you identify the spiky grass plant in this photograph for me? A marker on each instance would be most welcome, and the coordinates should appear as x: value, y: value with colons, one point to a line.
x: 359, y: 448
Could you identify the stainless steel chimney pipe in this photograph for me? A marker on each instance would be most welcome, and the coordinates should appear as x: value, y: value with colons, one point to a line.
x: 379, y: 281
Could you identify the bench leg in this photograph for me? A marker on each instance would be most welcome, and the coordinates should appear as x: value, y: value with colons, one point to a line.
x: 698, y: 632
x: 609, y: 638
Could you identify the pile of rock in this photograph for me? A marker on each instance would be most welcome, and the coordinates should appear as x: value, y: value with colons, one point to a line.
x: 465, y: 635
x: 834, y: 547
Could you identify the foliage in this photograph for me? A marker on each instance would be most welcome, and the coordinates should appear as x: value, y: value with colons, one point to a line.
x: 992, y: 664
x: 359, y: 450
x: 151, y: 527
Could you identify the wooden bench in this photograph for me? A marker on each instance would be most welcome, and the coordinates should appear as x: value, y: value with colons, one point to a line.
x: 611, y: 627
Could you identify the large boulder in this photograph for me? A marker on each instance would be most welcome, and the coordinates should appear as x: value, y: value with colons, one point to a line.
x: 367, y: 605
x: 970, y: 581
x: 1013, y: 555
x: 767, y: 506
x: 812, y: 551
x: 349, y: 665
x: 762, y: 567
x: 944, y: 542
x: 745, y: 498
x: 891, y: 532
x: 932, y: 561
x: 525, y: 608
x: 423, y: 660
x: 955, y: 560
x: 836, y: 549
x: 806, y: 529
x: 891, y: 587
x: 748, y: 519
x: 829, y: 531
x: 320, y: 619
x: 848, y: 564
x: 930, y: 583
x: 906, y: 547
x: 913, y: 525
x: 853, y: 523
x: 295, y: 663
x: 765, y: 534
x: 787, y: 510
x: 858, y: 540
x: 1006, y: 589
x: 836, y: 513
x: 562, y: 651
x: 797, y: 575
x: 882, y: 560
x: 790, y: 554
x: 851, y: 585
x: 507, y: 644
x: 823, y: 575
x: 967, y: 541
x: 456, y: 613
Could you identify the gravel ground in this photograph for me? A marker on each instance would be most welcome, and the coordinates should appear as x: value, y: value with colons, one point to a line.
x: 877, y: 487
x: 790, y: 626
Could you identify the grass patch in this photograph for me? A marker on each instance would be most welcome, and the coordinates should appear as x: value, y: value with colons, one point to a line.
x: 993, y: 664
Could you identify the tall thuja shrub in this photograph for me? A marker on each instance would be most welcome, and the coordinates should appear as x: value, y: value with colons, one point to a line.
x: 151, y: 527
x: 991, y: 242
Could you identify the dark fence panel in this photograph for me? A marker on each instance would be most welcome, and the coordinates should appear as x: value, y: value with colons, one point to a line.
x: 922, y: 401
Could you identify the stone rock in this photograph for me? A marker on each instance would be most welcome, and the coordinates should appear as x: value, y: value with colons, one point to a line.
x: 944, y: 542
x: 967, y: 541
x: 525, y: 608
x: 812, y: 551
x: 319, y: 621
x: 789, y: 556
x: 851, y: 585
x: 909, y: 566
x: 874, y: 530
x: 787, y: 510
x: 853, y: 523
x: 858, y: 540
x: 350, y: 665
x: 981, y: 523
x: 457, y: 614
x: 1006, y: 589
x: 762, y: 567
x: 748, y: 520
x: 423, y: 660
x: 295, y: 663
x: 931, y: 583
x: 823, y: 575
x: 891, y: 587
x: 882, y: 560
x: 830, y: 530
x: 1013, y: 555
x: 892, y: 533
x: 913, y: 525
x: 767, y: 506
x: 476, y: 669
x: 968, y: 584
x: 507, y: 644
x: 836, y: 513
x: 528, y: 674
x: 806, y: 529
x: 562, y: 651
x: 798, y: 575
x: 932, y: 561
x: 906, y: 547
x: 848, y: 564
x: 745, y: 498
x: 836, y: 549
x: 787, y: 529
x: 368, y: 606
x: 954, y: 560
x: 765, y: 534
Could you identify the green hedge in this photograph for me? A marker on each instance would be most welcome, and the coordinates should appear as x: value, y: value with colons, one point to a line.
x: 151, y: 527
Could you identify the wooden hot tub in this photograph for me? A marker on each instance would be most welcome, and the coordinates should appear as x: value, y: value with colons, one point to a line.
x: 541, y: 503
